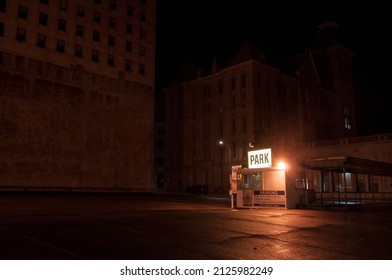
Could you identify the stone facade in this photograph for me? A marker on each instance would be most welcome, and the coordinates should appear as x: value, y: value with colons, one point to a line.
x: 64, y: 127
x: 77, y: 94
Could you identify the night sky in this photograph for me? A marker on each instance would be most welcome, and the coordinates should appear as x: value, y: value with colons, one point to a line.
x: 192, y: 31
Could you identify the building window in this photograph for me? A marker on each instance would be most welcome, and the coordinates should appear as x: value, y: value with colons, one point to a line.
x: 41, y: 41
x: 128, y: 46
x: 3, y: 6
x: 1, y: 29
x: 98, y: 1
x: 220, y: 88
x: 113, y: 5
x: 128, y: 65
x: 232, y: 83
x: 79, y: 30
x: 142, y: 51
x: 161, y: 134
x: 347, y: 119
x: 129, y: 28
x: 22, y: 12
x: 244, y: 122
x: 111, y: 60
x: 143, y: 2
x: 129, y: 10
x: 63, y: 5
x: 142, y: 33
x: 21, y: 34
x: 79, y: 50
x: 62, y: 25
x: 80, y: 11
x: 243, y: 98
x: 243, y: 81
x: 60, y: 46
x: 142, y: 69
x: 97, y: 17
x: 347, y: 123
x: 161, y: 145
x: 112, y: 22
x: 143, y: 16
x: 95, y: 56
x: 43, y: 19
x: 46, y: 2
x: 112, y: 41
x: 96, y: 36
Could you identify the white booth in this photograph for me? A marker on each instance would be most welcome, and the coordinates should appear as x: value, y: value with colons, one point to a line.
x: 262, y: 184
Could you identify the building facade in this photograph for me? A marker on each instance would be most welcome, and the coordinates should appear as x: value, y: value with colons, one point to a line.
x: 254, y: 103
x: 77, y: 94
x: 347, y: 170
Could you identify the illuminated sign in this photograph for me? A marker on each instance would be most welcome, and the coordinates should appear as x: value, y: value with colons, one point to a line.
x: 260, y: 158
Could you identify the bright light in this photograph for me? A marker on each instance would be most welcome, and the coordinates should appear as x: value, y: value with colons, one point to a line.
x: 220, y: 142
x: 281, y: 165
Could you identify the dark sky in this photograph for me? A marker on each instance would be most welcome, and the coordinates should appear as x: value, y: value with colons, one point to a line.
x: 194, y: 30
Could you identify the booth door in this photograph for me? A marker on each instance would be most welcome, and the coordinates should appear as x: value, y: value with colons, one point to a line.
x: 248, y: 197
x: 253, y: 182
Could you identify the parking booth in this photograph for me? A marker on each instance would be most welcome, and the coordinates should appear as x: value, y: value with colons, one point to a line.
x: 262, y: 184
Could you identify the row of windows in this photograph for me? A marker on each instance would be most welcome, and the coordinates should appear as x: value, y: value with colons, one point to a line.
x: 95, y: 54
x: 64, y: 4
x: 41, y: 40
x: 62, y: 23
x: 79, y: 32
x: 23, y: 14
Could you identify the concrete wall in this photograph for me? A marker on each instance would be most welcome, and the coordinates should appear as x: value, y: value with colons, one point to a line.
x: 65, y: 127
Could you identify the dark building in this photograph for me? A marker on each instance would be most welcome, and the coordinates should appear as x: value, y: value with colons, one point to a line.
x: 255, y: 102
x: 77, y: 94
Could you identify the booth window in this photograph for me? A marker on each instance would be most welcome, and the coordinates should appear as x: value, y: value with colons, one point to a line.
x: 253, y: 181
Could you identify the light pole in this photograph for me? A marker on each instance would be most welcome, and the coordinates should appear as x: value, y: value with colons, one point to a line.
x: 231, y: 172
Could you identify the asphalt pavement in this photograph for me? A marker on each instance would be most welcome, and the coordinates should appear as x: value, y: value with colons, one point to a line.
x: 158, y: 226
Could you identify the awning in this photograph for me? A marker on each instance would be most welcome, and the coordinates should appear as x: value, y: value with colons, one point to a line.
x: 350, y: 164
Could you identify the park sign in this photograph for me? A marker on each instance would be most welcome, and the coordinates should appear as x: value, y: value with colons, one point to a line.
x: 260, y: 158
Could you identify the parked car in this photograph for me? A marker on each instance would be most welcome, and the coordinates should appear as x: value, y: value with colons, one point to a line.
x: 197, y: 189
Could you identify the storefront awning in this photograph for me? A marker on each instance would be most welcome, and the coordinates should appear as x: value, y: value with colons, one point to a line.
x: 350, y: 164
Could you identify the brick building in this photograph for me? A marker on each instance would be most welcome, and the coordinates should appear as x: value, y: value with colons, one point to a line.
x: 77, y: 94
x: 254, y: 103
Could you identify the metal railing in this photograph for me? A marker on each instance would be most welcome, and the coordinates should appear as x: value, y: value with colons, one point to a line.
x: 353, y: 198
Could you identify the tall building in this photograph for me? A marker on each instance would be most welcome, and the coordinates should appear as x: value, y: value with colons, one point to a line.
x: 77, y: 93
x: 254, y: 102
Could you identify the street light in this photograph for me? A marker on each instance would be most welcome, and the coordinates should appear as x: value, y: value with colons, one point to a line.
x: 231, y: 171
